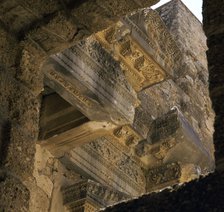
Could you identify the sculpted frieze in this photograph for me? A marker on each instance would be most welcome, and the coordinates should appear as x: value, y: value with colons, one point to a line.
x: 148, y: 29
x: 139, y: 68
x: 115, y: 162
x: 92, y: 195
x: 95, y: 83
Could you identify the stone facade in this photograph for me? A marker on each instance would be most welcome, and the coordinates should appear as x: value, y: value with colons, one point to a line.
x: 122, y: 112
x: 207, y: 193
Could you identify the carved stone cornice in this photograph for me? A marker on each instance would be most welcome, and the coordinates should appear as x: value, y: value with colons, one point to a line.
x: 173, y: 139
x: 110, y: 163
x: 60, y: 144
x: 138, y: 66
x: 89, y: 195
x: 92, y: 83
x: 151, y: 33
x: 163, y: 176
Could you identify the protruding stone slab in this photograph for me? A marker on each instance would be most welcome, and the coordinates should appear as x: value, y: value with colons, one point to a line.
x: 109, y: 162
x: 89, y: 195
x: 172, y: 139
x: 87, y: 132
x: 87, y: 77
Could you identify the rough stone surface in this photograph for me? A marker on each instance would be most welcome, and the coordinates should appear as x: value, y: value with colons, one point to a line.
x: 205, y: 194
x: 30, y: 31
x: 23, y: 175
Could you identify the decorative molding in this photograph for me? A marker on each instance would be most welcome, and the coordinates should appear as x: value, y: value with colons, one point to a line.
x: 162, y: 176
x: 139, y: 68
x: 150, y: 32
x: 91, y: 196
x: 87, y: 132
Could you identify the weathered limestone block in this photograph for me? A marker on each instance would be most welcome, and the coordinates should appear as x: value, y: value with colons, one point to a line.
x: 163, y: 176
x: 16, y: 15
x: 9, y: 49
x: 172, y: 139
x: 127, y: 136
x: 14, y: 194
x: 192, y: 74
x: 156, y: 101
x: 87, y: 78
x: 171, y: 174
x: 110, y: 163
x: 5, y: 128
x: 186, y: 29
x: 151, y: 33
x: 100, y: 14
x: 89, y: 195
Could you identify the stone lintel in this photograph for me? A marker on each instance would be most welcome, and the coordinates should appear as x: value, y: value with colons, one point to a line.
x: 87, y: 132
x: 109, y: 162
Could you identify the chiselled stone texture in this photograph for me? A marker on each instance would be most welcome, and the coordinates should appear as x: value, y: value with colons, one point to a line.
x: 163, y: 176
x: 173, y: 139
x: 89, y: 76
x: 31, y: 31
x: 214, y: 29
x: 38, y: 31
x: 205, y: 194
x: 105, y: 89
x: 14, y: 194
x: 110, y: 163
x: 90, y: 196
x: 143, y: 45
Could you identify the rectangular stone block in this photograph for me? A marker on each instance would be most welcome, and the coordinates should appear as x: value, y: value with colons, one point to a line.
x: 172, y: 139
x: 110, y: 163
x: 140, y: 69
x: 86, y: 76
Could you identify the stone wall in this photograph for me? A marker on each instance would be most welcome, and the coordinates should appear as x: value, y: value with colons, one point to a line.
x: 20, y: 105
x: 30, y: 31
x: 207, y: 193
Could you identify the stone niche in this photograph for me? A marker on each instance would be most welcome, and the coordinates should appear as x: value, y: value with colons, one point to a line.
x: 113, y: 113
